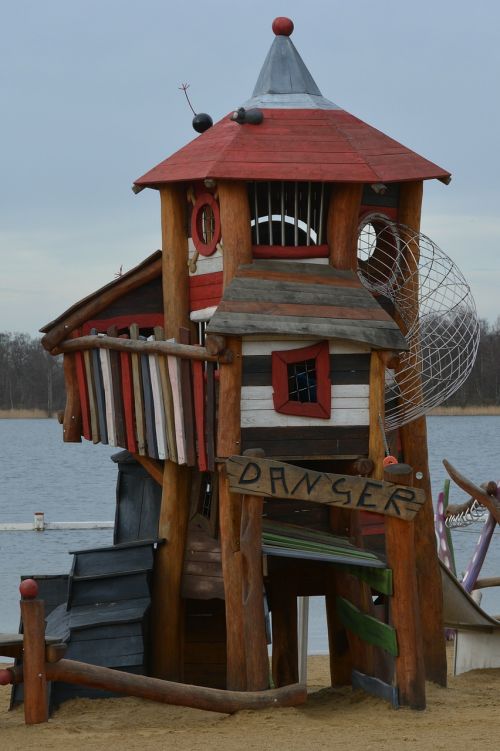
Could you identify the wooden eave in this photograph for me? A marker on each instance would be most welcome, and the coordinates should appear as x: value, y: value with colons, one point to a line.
x: 91, y: 305
x: 295, y: 144
x: 286, y: 298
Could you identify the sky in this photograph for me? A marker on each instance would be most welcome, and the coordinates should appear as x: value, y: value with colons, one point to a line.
x: 89, y: 101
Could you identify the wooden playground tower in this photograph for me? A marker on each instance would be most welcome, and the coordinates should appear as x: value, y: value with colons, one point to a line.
x: 245, y: 365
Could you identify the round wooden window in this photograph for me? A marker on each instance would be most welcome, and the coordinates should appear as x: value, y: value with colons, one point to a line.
x: 205, y: 224
x: 378, y: 249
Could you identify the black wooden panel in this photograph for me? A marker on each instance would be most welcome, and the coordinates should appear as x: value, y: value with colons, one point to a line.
x: 113, y: 560
x: 307, y: 442
x: 119, y: 630
x: 111, y: 652
x: 375, y: 687
x: 145, y: 299
x: 138, y: 506
x: 389, y: 198
x: 109, y: 589
x: 125, y: 611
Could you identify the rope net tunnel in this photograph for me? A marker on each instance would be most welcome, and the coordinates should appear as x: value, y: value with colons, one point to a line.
x: 430, y: 299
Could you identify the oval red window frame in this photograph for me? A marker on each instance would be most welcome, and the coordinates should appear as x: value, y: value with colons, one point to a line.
x: 205, y: 249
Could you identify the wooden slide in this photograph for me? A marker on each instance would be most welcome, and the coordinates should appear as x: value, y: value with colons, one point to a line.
x: 477, y: 640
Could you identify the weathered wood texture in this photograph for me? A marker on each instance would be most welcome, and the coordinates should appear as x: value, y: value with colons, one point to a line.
x: 292, y: 298
x: 183, y: 351
x: 286, y: 147
x: 209, y: 699
x: 342, y: 225
x: 264, y: 477
x: 257, y: 661
x: 35, y: 679
x: 285, y: 651
x: 230, y: 524
x: 167, y: 609
x: 414, y: 448
x: 72, y: 423
x: 400, y: 546
x: 308, y: 442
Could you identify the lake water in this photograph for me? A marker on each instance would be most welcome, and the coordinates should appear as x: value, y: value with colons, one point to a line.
x: 76, y: 482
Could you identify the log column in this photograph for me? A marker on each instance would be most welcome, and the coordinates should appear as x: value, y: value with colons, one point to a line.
x: 342, y: 227
x: 414, y: 447
x: 35, y: 679
x: 400, y: 546
x: 237, y: 249
x: 167, y: 611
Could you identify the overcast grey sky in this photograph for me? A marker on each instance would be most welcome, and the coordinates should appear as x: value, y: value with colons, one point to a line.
x: 90, y: 101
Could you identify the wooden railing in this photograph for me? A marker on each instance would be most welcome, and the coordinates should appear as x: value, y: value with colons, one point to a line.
x: 155, y: 398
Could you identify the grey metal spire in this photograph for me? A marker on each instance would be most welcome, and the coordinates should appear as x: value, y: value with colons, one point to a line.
x: 284, y: 81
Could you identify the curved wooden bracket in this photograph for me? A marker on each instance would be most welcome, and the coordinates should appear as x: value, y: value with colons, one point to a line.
x: 473, y: 490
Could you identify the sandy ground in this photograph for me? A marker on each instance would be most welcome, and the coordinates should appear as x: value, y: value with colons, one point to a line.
x: 464, y: 716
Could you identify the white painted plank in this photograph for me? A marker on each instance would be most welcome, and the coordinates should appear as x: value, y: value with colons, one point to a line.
x: 336, y: 403
x: 336, y: 346
x: 204, y: 314
x: 265, y: 418
x: 342, y: 391
x: 159, y: 412
x: 205, y: 264
x: 107, y: 383
x: 174, y: 372
x: 476, y: 650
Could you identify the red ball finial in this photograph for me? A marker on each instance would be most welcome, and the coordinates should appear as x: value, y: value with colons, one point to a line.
x: 282, y: 26
x: 28, y: 589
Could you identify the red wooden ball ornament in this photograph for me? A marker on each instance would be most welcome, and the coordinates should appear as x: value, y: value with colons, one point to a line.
x: 28, y: 589
x: 282, y: 26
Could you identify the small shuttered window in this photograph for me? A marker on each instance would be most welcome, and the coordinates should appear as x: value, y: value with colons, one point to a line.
x: 301, y: 383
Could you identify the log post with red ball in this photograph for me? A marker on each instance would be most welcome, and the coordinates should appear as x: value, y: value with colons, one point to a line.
x: 35, y: 679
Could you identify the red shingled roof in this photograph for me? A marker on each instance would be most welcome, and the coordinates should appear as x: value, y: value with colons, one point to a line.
x: 327, y: 145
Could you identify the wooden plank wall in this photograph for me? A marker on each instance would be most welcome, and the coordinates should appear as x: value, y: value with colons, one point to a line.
x: 344, y: 433
x: 152, y: 405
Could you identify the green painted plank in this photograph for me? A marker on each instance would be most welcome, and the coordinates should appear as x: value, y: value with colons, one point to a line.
x: 368, y: 628
x: 379, y: 579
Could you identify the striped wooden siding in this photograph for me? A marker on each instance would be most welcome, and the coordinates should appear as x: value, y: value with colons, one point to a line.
x: 286, y: 298
x: 152, y: 405
x: 344, y: 433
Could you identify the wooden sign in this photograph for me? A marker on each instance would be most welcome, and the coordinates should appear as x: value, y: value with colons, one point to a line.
x: 272, y: 479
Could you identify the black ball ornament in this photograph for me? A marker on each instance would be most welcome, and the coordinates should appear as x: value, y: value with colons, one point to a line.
x: 202, y: 122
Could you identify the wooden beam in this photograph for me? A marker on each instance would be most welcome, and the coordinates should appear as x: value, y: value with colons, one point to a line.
x: 35, y: 679
x: 285, y: 651
x: 183, y: 351
x: 400, y: 548
x: 414, y: 449
x: 236, y: 250
x: 342, y: 226
x: 167, y: 610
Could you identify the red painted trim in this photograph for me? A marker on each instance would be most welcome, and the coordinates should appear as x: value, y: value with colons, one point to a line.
x: 143, y: 320
x: 202, y: 280
x: 290, y: 251
x: 205, y: 293
x: 205, y: 249
x: 280, y: 361
x: 82, y: 390
x: 128, y: 400
x: 199, y: 413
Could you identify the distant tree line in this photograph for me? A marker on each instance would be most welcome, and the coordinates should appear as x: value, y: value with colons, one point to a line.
x: 30, y: 378
x: 482, y: 387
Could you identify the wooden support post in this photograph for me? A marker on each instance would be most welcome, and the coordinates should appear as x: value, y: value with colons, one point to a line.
x: 285, y: 653
x: 230, y: 522
x: 72, y: 423
x: 257, y: 661
x: 414, y: 447
x: 35, y: 680
x: 338, y: 645
x: 342, y: 227
x: 400, y: 546
x: 237, y: 249
x: 167, y: 612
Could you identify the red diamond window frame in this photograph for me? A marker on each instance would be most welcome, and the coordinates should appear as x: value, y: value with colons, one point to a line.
x: 281, y: 359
